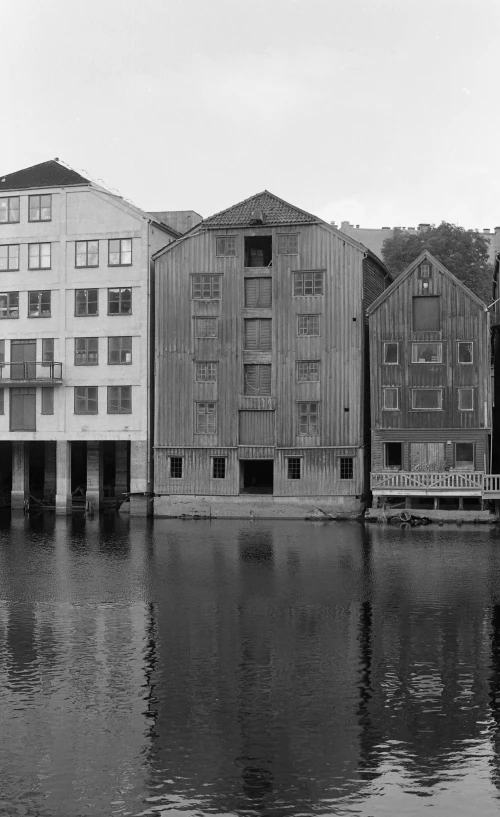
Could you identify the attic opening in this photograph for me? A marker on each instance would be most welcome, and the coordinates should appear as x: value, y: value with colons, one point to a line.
x: 258, y: 251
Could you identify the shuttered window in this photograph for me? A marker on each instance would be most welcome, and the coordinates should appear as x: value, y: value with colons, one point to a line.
x: 206, y: 418
x: 258, y: 334
x: 308, y: 418
x: 205, y: 287
x: 258, y: 292
x: 48, y: 400
x: 426, y: 313
x: 258, y: 379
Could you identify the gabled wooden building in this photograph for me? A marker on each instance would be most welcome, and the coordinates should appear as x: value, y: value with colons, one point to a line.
x: 430, y: 389
x: 260, y: 361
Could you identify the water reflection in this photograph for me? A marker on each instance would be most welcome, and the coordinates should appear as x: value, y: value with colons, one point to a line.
x: 247, y: 668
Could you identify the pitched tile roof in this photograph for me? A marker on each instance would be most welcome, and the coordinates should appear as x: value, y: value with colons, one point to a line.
x: 45, y: 174
x: 274, y: 210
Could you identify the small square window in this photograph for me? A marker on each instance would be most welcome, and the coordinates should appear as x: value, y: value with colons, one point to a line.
x: 39, y: 256
x: 308, y: 283
x: 40, y: 208
x: 39, y: 304
x: 48, y: 400
x: 120, y: 301
x: 205, y: 287
x: 119, y: 399
x: 86, y: 400
x: 293, y: 467
x: 464, y: 456
x: 288, y: 244
x: 465, y: 351
x: 219, y: 468
x: 119, y: 252
x: 226, y: 245
x: 466, y: 399
x: 307, y: 371
x: 86, y: 253
x: 9, y: 210
x: 206, y: 327
x: 346, y: 467
x: 86, y: 351
x: 206, y: 372
x: 86, y: 302
x: 9, y: 257
x: 176, y: 467
x: 120, y: 350
x: 391, y: 354
x: 307, y: 325
x: 9, y: 304
x: 391, y: 399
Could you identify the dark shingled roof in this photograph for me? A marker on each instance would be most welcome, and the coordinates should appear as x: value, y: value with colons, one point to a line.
x: 274, y: 210
x: 46, y: 174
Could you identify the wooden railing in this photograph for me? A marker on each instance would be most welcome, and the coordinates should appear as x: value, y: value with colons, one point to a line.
x: 491, y: 484
x: 428, y: 480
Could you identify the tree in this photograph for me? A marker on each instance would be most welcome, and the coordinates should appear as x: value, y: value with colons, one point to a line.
x: 462, y: 252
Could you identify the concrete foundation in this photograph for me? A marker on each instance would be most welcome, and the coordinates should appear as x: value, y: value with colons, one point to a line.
x: 20, y: 475
x: 121, y: 468
x: 379, y: 515
x: 141, y: 500
x: 49, y: 479
x: 63, y: 478
x: 94, y: 476
x: 255, y: 506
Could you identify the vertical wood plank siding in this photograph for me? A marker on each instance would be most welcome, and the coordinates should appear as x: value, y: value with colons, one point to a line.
x: 462, y: 318
x: 339, y: 348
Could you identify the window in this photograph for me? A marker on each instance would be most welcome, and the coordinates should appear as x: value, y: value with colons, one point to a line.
x: 206, y: 418
x: 9, y: 304
x: 393, y: 456
x: 346, y: 467
x: 120, y: 301
x: 85, y: 399
x: 288, y: 244
x: 464, y: 456
x: 391, y: 399
x: 86, y: 302
x: 205, y: 286
x: 466, y: 399
x: 39, y: 256
x: 9, y: 257
x: 426, y: 352
x: 40, y: 208
x: 258, y: 334
x: 293, y: 467
x: 206, y: 327
x: 258, y: 251
x: 425, y: 271
x: 9, y: 210
x: 426, y: 314
x: 308, y: 418
x: 39, y: 304
x: 119, y: 350
x: 47, y: 351
x: 119, y: 399
x: 307, y: 370
x: 86, y: 351
x: 86, y: 253
x: 427, y: 399
x: 257, y: 379
x: 175, y: 467
x: 391, y: 354
x: 225, y: 245
x: 2, y: 401
x: 48, y: 400
x: 219, y: 468
x: 308, y: 283
x: 119, y: 252
x: 258, y: 292
x: 206, y: 372
x: 308, y: 325
x: 2, y: 351
x: 465, y: 351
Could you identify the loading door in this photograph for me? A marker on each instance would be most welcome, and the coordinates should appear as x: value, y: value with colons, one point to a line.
x: 23, y: 409
x: 23, y: 357
x: 427, y: 456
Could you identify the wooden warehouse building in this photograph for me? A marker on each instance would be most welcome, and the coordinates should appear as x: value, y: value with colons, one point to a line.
x: 260, y: 352
x: 430, y: 391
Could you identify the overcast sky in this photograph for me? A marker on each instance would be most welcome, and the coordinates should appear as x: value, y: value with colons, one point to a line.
x: 373, y: 111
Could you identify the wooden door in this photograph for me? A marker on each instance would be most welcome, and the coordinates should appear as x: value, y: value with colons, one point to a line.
x: 23, y: 357
x: 427, y: 456
x: 256, y: 427
x: 23, y: 409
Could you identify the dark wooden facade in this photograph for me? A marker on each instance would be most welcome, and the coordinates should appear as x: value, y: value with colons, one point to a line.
x: 430, y: 383
x: 257, y: 363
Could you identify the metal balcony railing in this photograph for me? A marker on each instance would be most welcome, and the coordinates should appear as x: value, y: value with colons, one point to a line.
x: 36, y: 372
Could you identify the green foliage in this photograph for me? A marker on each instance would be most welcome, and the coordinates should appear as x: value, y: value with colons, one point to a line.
x: 463, y: 253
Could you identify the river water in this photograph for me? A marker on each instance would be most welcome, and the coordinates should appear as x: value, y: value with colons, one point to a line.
x: 248, y: 668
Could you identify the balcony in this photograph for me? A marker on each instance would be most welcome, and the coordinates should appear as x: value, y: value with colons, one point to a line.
x: 428, y: 483
x: 31, y: 374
